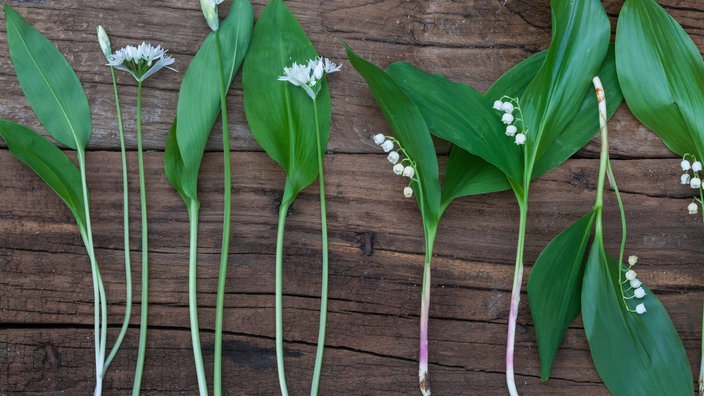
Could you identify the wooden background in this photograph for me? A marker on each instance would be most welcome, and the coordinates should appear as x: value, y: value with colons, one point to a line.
x: 46, y: 308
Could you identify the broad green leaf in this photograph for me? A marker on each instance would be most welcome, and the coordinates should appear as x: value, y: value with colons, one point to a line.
x: 50, y: 163
x: 173, y: 164
x: 634, y: 354
x: 514, y: 82
x: 467, y: 174
x: 555, y: 288
x: 458, y: 113
x: 281, y: 115
x: 662, y: 75
x: 199, y: 96
x: 408, y: 126
x: 580, y: 40
x: 49, y: 83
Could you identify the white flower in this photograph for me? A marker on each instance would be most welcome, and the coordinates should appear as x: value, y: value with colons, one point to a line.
x: 695, y: 182
x: 398, y: 169
x: 387, y: 145
x: 409, y: 171
x: 635, y: 283
x: 640, y: 309
x: 307, y: 76
x: 521, y: 138
x: 630, y: 275
x: 692, y: 208
x: 210, y: 12
x: 498, y: 105
x: 393, y: 157
x: 684, y: 179
x: 632, y: 260
x: 104, y: 42
x: 685, y: 165
x: 379, y: 138
x: 139, y: 61
x: 511, y: 130
x: 507, y: 119
x: 407, y: 192
x: 507, y: 107
x: 696, y: 166
x: 639, y: 292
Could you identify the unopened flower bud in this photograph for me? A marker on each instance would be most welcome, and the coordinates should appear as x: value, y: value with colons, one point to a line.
x: 511, y: 130
x: 104, y: 42
x: 398, y: 169
x: 210, y: 12
x: 640, y: 309
x: 407, y: 192
x: 507, y: 118
x: 409, y: 171
x: 387, y: 146
x: 379, y: 138
x: 692, y: 208
x: 639, y: 292
x: 393, y: 157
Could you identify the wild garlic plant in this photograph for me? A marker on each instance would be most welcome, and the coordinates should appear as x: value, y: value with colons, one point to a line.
x: 140, y: 62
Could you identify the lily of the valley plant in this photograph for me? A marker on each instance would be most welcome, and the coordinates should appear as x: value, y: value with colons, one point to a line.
x: 202, y: 96
x: 287, y: 103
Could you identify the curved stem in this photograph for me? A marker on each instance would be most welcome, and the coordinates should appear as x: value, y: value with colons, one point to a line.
x: 193, y: 207
x: 222, y: 277
x: 126, y: 233
x: 516, y: 292
x: 283, y: 210
x: 145, y: 251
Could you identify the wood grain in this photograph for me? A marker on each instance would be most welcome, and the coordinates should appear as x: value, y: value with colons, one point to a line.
x: 376, y: 245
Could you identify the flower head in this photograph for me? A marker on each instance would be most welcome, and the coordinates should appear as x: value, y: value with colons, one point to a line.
x: 398, y: 169
x: 142, y: 61
x: 695, y: 182
x: 632, y: 260
x: 308, y: 76
x: 635, y: 283
x: 409, y: 172
x: 630, y: 275
x: 685, y: 178
x: 686, y: 165
x: 393, y: 157
x: 521, y: 138
x: 692, y: 208
x: 403, y: 165
x: 511, y: 130
x: 387, y: 146
x: 407, y: 192
x: 640, y: 309
x: 104, y: 42
x: 696, y: 166
x: 639, y: 292
x: 507, y: 118
x: 379, y: 138
x: 507, y: 107
x: 210, y: 12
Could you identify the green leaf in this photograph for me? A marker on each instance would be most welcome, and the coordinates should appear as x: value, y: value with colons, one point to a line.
x: 458, y: 113
x: 48, y: 82
x: 634, y: 354
x: 173, y: 164
x: 50, y: 163
x: 580, y: 40
x: 199, y: 96
x: 281, y: 115
x: 467, y: 174
x: 408, y: 126
x: 555, y: 288
x: 662, y: 75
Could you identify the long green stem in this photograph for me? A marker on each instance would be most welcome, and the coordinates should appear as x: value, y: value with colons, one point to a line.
x: 325, y: 269
x: 126, y: 233
x: 283, y: 211
x: 193, y: 207
x: 516, y: 290
x: 220, y: 300
x: 145, y: 251
x: 423, y: 352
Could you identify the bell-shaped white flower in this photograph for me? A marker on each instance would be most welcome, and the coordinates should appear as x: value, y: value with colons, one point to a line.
x: 630, y: 275
x: 498, y: 105
x: 511, y: 130
x: 635, y: 283
x: 507, y: 118
x: 379, y: 138
x: 640, y: 309
x: 696, y: 166
x: 407, y: 192
x: 393, y: 157
x: 521, y: 138
x: 507, y: 107
x: 692, y: 208
x: 685, y: 178
x: 695, y: 182
x: 409, y: 172
x: 398, y: 169
x: 639, y: 292
x: 632, y: 260
x: 685, y: 165
x: 387, y: 145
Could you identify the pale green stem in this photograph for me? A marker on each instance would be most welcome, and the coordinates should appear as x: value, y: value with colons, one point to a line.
x: 516, y: 290
x: 423, y: 349
x: 701, y: 364
x: 283, y: 210
x: 325, y: 271
x: 126, y: 227
x: 193, y: 207
x: 141, y: 352
x: 220, y: 299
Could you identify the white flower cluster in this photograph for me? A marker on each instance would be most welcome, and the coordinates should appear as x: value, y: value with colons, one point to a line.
x: 635, y: 285
x: 693, y: 180
x: 309, y: 75
x: 141, y: 61
x: 508, y: 107
x: 402, y: 166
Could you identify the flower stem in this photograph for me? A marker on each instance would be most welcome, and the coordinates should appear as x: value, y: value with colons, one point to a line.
x: 283, y: 210
x: 224, y: 255
x: 126, y: 233
x: 325, y: 269
x: 423, y: 371
x: 193, y: 207
x: 141, y: 351
x: 516, y: 291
